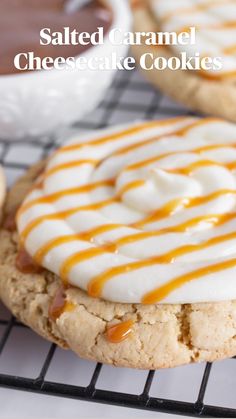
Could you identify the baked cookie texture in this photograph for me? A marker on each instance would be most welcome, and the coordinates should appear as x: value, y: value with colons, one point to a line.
x: 212, y: 97
x: 163, y: 335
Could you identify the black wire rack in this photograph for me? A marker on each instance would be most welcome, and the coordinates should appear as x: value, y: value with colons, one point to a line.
x: 130, y: 98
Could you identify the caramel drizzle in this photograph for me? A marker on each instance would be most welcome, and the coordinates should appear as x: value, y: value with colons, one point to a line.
x: 231, y: 50
x: 69, y: 165
x: 63, y: 215
x: 111, y: 182
x: 178, y: 132
x: 130, y: 186
x: 107, y: 182
x: 174, y: 133
x: 175, y: 204
x: 187, y: 170
x: 214, y: 26
x: 117, y: 333
x: 88, y: 235
x: 26, y: 264
x: 121, y: 134
x: 221, y: 25
x: 96, y: 285
x: 112, y: 247
x: 211, y: 219
x: 198, y: 150
x: 82, y: 256
x: 60, y: 305
x: 49, y: 199
x: 156, y: 216
x: 160, y: 293
x: 198, y: 8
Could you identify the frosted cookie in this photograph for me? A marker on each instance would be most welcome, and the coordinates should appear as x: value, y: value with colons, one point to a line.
x: 123, y: 246
x: 212, y: 91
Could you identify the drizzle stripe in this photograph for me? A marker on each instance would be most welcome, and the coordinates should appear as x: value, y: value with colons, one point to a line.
x: 69, y: 165
x: 96, y: 285
x: 63, y: 215
x: 121, y: 134
x: 88, y: 235
x: 65, y: 192
x: 83, y: 255
x: 162, y: 292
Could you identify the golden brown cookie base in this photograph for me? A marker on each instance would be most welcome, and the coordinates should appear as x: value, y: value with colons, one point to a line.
x: 164, y: 335
x: 212, y: 97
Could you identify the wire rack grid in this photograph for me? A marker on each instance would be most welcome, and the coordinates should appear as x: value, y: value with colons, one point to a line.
x: 129, y: 98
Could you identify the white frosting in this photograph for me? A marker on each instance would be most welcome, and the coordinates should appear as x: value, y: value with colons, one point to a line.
x: 215, y: 28
x: 164, y: 165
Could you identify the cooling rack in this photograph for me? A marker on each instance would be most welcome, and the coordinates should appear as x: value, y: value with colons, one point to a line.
x: 130, y: 98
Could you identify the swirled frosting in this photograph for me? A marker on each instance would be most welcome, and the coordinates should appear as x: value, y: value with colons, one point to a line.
x: 140, y: 213
x: 215, y: 22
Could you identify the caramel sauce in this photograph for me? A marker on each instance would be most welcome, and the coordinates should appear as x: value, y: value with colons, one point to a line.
x: 110, y: 182
x: 146, y: 162
x: 9, y: 222
x: 114, y: 137
x: 187, y: 170
x: 220, y: 25
x: 69, y: 165
x: 129, y: 186
x: 212, y: 220
x: 26, y: 264
x: 63, y: 215
x: 183, y: 250
x: 160, y: 293
x: 113, y: 246
x: 135, y: 4
x: 231, y: 166
x: 154, y: 159
x: 59, y: 305
x: 88, y: 235
x: 56, y: 308
x: 96, y: 284
x: 230, y: 50
x: 42, y: 251
x: 172, y: 206
x: 79, y: 257
x: 119, y: 332
x: 194, y: 9
x: 126, y: 149
x: 87, y: 254
x: 61, y: 194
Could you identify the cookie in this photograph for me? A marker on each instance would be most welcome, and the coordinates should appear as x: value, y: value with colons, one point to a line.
x: 131, y: 334
x: 212, y: 93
